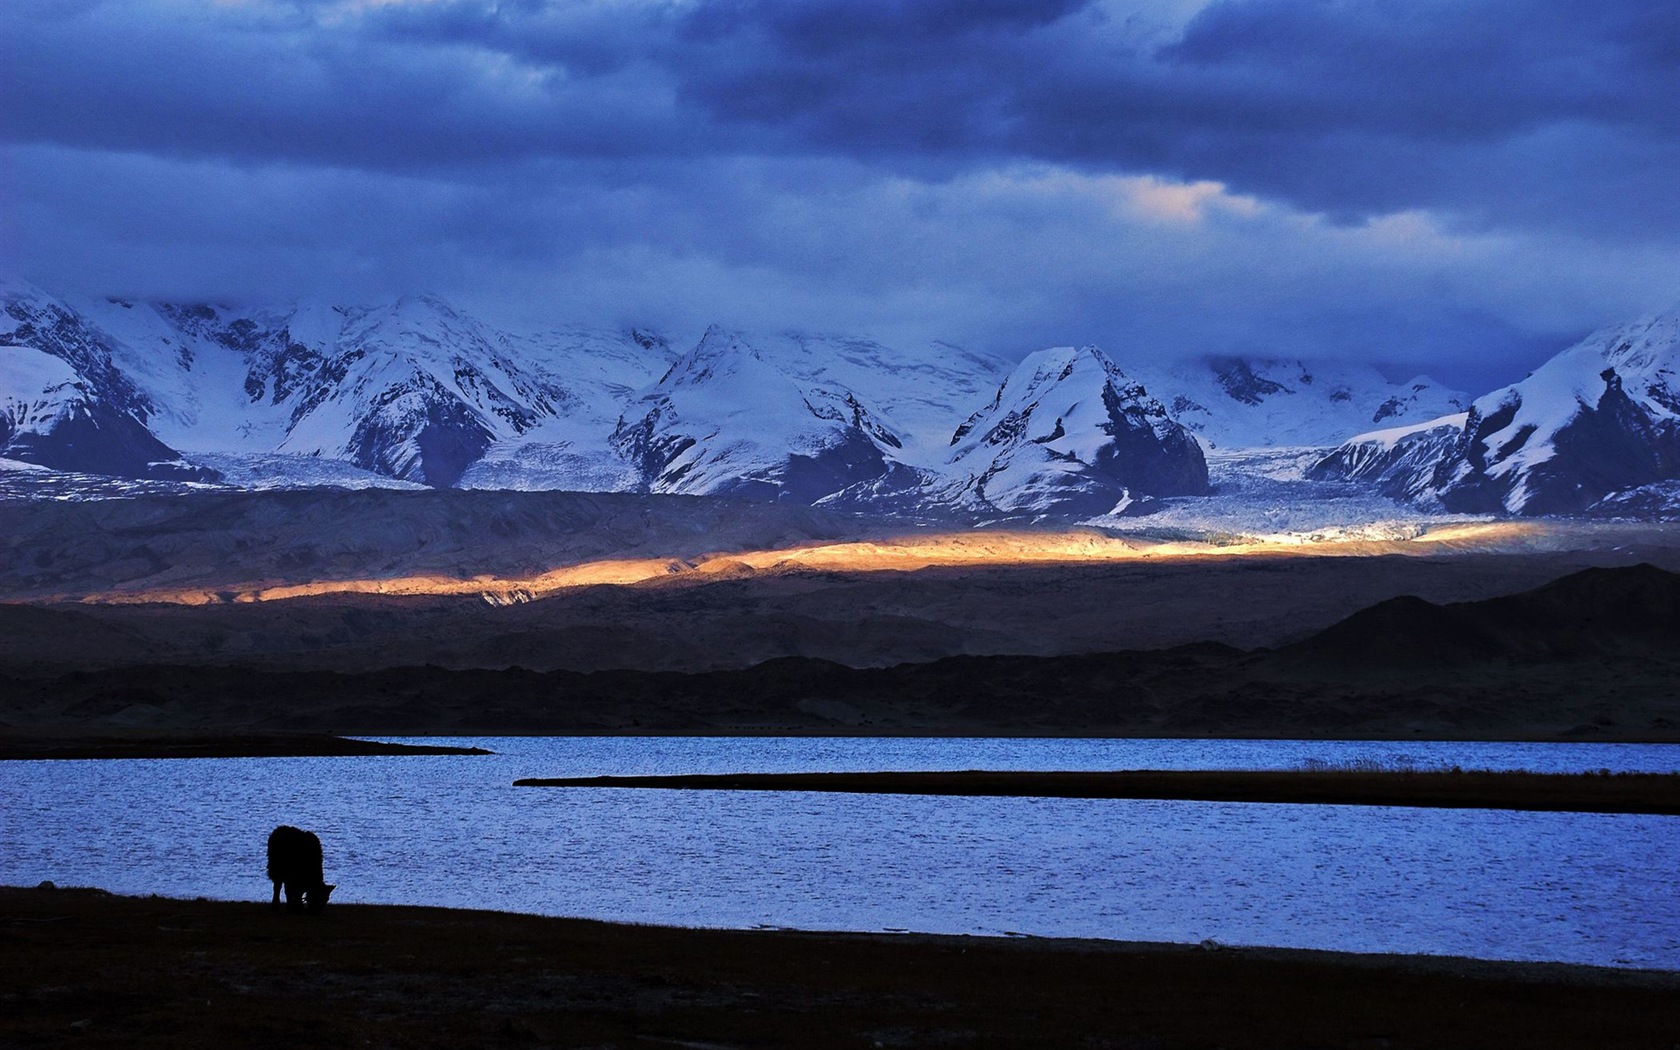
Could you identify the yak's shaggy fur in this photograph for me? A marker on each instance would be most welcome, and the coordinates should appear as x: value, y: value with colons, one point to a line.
x: 294, y: 861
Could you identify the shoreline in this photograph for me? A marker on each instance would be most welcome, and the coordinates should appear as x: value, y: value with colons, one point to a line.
x: 93, y: 968
x: 31, y: 743
x: 1650, y: 793
x: 41, y: 745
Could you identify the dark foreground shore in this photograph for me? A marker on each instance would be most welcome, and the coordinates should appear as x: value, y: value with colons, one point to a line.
x: 84, y: 968
x: 1556, y: 792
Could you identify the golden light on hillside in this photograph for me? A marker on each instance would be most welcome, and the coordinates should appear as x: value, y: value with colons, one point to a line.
x: 908, y: 553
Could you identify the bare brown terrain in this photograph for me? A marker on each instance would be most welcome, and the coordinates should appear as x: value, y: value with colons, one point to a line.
x: 1590, y: 656
x: 84, y: 968
x: 357, y: 581
x: 438, y: 613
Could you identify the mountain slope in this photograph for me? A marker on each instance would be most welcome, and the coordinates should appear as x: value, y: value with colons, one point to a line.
x: 920, y: 393
x: 725, y: 421
x: 1601, y: 417
x: 31, y: 318
x: 592, y: 375
x: 415, y: 390
x: 48, y: 418
x: 1068, y: 433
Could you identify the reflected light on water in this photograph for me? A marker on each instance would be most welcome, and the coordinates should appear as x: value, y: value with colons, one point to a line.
x: 452, y: 831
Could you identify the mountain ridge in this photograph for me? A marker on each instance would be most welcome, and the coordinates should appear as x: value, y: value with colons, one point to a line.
x: 1596, y: 423
x: 416, y: 391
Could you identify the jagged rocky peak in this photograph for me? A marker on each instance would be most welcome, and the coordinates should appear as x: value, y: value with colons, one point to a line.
x: 1237, y: 378
x: 723, y: 420
x: 1597, y: 421
x: 1070, y: 433
x: 647, y: 340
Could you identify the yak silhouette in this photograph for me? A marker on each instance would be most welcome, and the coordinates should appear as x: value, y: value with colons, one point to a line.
x: 294, y: 861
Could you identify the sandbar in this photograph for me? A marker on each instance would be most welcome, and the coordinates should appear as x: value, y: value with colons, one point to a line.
x: 1576, y: 792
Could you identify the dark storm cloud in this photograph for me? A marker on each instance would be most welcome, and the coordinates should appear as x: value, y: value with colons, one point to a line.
x: 294, y: 86
x: 1380, y: 180
x: 1478, y: 109
x: 1484, y: 111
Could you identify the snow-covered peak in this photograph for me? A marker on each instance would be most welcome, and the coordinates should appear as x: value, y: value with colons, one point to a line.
x: 1644, y: 357
x: 723, y: 379
x: 1391, y: 436
x: 1602, y: 416
x: 1647, y: 347
x: 1068, y: 432
x: 423, y: 328
x: 1053, y: 395
x: 423, y: 305
x: 50, y: 416
x: 16, y: 289
x: 44, y: 322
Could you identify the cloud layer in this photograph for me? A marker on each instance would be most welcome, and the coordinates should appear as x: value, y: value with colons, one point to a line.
x: 1456, y: 185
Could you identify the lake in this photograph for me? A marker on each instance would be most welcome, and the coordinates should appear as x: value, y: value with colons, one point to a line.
x: 451, y: 831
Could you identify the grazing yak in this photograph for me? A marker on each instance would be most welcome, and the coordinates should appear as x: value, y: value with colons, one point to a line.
x: 294, y: 861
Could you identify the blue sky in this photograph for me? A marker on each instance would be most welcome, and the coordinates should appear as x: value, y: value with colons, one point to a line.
x: 1460, y: 187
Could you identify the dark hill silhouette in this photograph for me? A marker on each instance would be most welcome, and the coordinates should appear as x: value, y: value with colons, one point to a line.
x: 1594, y: 612
x: 1592, y: 653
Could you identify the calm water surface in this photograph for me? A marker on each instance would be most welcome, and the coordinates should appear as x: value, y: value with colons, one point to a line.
x: 451, y: 831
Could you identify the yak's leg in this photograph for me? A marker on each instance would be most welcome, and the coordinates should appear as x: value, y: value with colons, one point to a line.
x: 294, y: 897
x: 275, y: 906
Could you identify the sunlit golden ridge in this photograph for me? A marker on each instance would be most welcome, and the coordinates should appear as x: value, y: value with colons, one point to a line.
x: 979, y: 548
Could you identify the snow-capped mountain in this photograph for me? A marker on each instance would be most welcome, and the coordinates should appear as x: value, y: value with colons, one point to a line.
x: 31, y: 318
x: 923, y: 393
x: 1234, y: 402
x: 417, y: 392
x: 1599, y: 419
x: 1398, y: 461
x: 49, y: 417
x: 596, y: 372
x: 725, y: 421
x: 414, y: 390
x: 1069, y: 433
